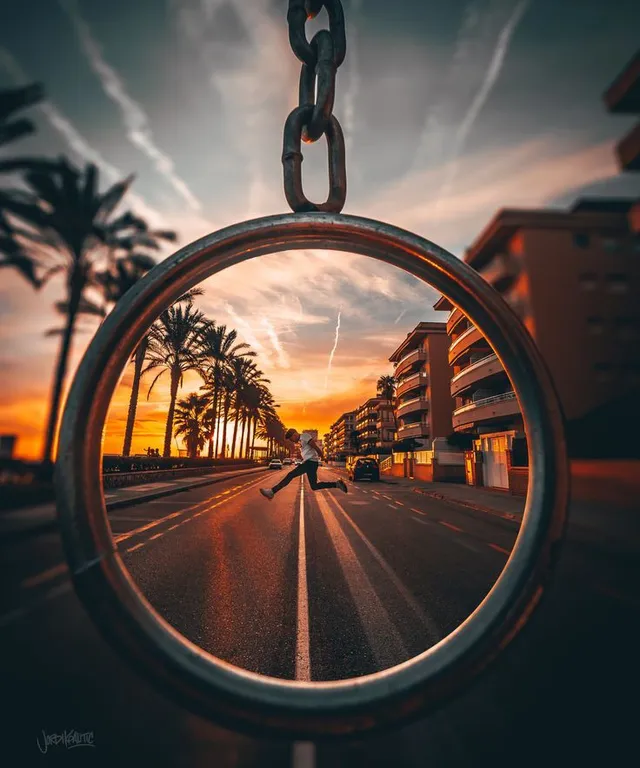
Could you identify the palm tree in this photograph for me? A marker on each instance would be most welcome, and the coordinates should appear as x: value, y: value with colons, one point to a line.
x: 189, y: 421
x: 138, y: 359
x: 174, y: 347
x: 246, y: 376
x: 70, y: 227
x: 386, y: 388
x: 219, y: 346
x: 13, y: 100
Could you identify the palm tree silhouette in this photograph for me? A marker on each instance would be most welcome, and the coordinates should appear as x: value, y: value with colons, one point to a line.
x: 174, y: 347
x: 138, y: 358
x: 219, y: 347
x: 386, y: 388
x: 189, y: 421
x: 71, y: 229
x: 13, y: 100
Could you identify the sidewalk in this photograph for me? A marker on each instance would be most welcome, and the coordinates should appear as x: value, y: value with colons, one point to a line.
x: 492, y: 502
x: 43, y: 517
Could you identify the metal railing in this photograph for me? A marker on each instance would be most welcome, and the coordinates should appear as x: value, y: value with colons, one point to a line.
x: 475, y: 365
x: 486, y: 401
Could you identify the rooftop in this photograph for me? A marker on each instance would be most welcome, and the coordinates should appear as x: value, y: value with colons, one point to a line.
x: 586, y: 214
x: 623, y: 95
x: 415, y: 337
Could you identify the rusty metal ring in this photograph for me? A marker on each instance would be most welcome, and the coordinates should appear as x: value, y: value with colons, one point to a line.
x: 219, y: 690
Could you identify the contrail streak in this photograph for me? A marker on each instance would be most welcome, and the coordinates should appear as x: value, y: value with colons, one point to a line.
x: 333, y: 351
x: 275, y: 341
x: 135, y: 119
x: 400, y: 316
x: 491, y: 75
x: 76, y: 142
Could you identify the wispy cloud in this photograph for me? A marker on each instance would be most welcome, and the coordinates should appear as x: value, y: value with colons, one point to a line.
x: 135, y: 119
x: 333, y: 351
x: 283, y: 358
x: 78, y: 145
x: 482, y: 94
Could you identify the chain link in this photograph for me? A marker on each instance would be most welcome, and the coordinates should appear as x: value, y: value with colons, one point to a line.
x: 314, y: 116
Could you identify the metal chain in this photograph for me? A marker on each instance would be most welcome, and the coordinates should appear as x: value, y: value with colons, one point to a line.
x: 313, y: 117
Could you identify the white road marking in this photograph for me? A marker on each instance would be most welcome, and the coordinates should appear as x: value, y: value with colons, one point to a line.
x: 157, y: 536
x: 303, y: 655
x: 383, y: 637
x: 418, y: 511
x: 304, y: 752
x: 428, y: 621
x: 136, y: 546
x: 359, y: 503
x: 393, y: 506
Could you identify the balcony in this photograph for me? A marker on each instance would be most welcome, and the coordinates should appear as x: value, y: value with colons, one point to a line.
x: 385, y: 424
x: 413, y: 405
x: 475, y: 372
x: 463, y: 342
x: 454, y: 318
x: 420, y: 429
x: 405, y: 363
x: 411, y: 382
x: 496, y: 407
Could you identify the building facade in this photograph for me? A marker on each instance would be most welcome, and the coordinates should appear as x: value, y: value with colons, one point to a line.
x: 366, y: 425
x: 341, y: 436
x: 423, y: 398
x: 385, y: 426
x: 573, y: 278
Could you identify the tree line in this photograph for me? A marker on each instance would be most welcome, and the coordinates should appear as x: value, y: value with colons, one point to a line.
x: 56, y: 221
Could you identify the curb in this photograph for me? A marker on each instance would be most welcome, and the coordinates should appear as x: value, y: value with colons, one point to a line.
x: 51, y: 524
x: 469, y: 505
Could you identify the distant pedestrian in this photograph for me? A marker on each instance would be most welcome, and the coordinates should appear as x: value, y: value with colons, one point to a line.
x: 311, y: 456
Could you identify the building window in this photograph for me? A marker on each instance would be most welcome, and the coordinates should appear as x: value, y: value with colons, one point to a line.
x: 595, y: 325
x: 588, y: 281
x: 581, y: 240
x: 617, y: 282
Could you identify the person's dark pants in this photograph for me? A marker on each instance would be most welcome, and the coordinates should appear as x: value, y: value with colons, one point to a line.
x: 308, y: 468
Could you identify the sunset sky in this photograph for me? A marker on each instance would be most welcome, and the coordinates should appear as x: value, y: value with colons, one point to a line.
x: 450, y: 111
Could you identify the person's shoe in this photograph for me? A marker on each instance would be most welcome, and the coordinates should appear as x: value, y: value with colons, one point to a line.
x: 267, y: 492
x: 342, y: 486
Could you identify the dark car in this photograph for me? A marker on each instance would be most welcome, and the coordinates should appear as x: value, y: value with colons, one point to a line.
x: 364, y: 469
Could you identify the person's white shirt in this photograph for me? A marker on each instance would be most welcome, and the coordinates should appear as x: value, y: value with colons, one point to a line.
x: 308, y: 453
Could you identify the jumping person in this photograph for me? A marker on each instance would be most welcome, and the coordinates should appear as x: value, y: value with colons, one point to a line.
x: 311, y: 455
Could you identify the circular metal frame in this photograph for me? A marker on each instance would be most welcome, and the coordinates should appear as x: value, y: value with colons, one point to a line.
x: 219, y: 690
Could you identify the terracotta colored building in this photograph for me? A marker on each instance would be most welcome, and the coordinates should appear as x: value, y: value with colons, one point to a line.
x: 366, y: 424
x: 341, y: 431
x: 574, y: 279
x: 385, y: 425
x: 423, y: 374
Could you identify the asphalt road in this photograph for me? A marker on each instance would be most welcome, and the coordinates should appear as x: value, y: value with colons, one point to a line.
x: 387, y: 573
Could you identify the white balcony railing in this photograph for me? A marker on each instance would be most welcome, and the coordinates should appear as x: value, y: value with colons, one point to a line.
x: 462, y: 336
x: 473, y: 366
x: 486, y: 401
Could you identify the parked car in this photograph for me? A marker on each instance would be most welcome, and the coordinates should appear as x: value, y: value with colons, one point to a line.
x: 275, y: 464
x: 365, y: 468
x: 286, y: 461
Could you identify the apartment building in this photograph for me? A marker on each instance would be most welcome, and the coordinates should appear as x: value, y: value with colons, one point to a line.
x: 366, y: 425
x: 385, y: 426
x: 341, y: 432
x: 423, y: 374
x: 573, y: 277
